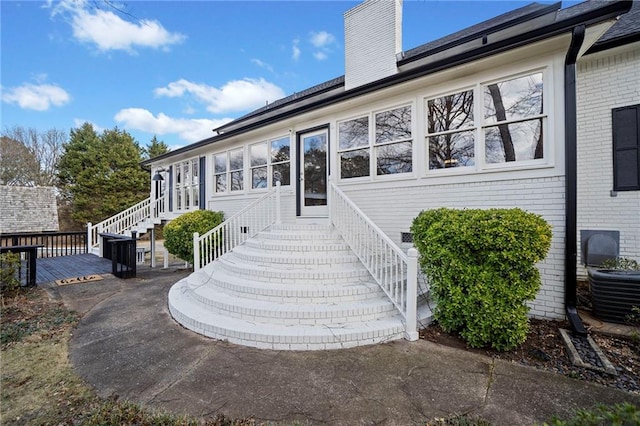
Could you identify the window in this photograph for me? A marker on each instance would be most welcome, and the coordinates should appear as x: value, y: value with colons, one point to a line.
x: 511, y: 130
x: 186, y: 184
x: 626, y: 148
x: 271, y: 158
x: 451, y: 130
x: 228, y: 171
x: 392, y: 148
x: 513, y: 120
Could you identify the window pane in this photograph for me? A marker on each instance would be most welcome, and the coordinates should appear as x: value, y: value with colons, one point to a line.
x: 354, y: 163
x: 393, y: 125
x: 259, y: 154
x: 221, y: 183
x: 513, y: 99
x: 353, y: 133
x: 259, y: 177
x: 220, y: 163
x: 194, y: 172
x: 187, y: 199
x: 235, y: 159
x: 394, y: 158
x: 451, y: 150
x: 179, y: 199
x: 514, y: 142
x: 280, y: 150
x: 187, y: 173
x: 195, y: 197
x: 236, y: 181
x: 450, y: 112
x: 283, y: 170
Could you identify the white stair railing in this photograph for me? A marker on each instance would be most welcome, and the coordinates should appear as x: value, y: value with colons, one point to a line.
x: 127, y: 219
x: 245, y: 224
x: 394, y: 271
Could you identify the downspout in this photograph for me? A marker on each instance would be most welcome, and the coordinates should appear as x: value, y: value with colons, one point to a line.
x: 571, y: 158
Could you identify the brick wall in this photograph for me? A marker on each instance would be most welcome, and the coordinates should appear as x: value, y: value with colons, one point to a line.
x: 28, y: 209
x: 606, y: 81
x: 393, y: 210
x: 373, y: 36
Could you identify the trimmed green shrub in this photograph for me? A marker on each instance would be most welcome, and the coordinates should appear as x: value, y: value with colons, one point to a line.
x: 9, y: 280
x: 178, y: 234
x: 481, y: 268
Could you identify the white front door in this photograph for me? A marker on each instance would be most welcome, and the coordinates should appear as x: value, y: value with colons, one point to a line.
x: 313, y: 149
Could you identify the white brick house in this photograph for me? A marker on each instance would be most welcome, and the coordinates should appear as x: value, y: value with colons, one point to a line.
x: 481, y: 118
x: 608, y: 81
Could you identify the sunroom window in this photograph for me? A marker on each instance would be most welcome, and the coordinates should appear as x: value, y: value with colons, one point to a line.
x: 228, y: 171
x: 513, y: 115
x: 270, y: 158
x: 186, y: 184
x: 391, y: 149
x: 450, y: 129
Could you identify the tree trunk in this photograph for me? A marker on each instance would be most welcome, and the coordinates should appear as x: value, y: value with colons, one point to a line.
x: 505, y: 135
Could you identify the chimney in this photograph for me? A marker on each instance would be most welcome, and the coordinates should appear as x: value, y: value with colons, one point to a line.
x: 373, y: 37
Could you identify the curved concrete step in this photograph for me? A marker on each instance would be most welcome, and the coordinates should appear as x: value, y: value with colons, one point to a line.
x: 278, y: 336
x: 293, y: 259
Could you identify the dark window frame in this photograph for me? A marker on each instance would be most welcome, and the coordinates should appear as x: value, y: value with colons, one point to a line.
x: 629, y: 151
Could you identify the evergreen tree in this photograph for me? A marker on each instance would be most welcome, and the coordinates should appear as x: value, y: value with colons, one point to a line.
x: 100, y: 175
x: 155, y: 148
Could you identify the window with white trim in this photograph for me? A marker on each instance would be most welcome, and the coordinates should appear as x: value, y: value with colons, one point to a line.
x: 228, y: 171
x: 511, y: 130
x: 392, y: 146
x: 187, y: 184
x: 270, y: 158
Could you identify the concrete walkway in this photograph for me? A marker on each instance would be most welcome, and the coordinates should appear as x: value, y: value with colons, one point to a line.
x: 127, y: 344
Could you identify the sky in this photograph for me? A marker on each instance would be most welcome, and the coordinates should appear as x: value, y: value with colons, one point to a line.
x: 178, y: 69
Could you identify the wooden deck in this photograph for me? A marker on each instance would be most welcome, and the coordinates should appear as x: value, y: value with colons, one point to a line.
x: 62, y: 267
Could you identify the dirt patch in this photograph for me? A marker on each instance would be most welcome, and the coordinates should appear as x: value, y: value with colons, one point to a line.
x: 545, y: 350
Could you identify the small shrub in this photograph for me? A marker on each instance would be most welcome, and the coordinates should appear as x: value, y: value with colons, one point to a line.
x: 9, y: 280
x: 481, y: 267
x: 621, y: 264
x: 178, y: 234
x: 618, y: 415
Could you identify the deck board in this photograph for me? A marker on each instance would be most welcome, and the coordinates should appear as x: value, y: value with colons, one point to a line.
x: 50, y: 269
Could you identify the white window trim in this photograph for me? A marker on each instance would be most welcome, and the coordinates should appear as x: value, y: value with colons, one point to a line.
x: 178, y: 167
x: 228, y: 171
x: 269, y: 164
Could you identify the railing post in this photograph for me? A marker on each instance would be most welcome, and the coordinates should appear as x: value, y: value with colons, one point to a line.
x: 411, y: 329
x: 278, y: 217
x: 196, y: 251
x: 89, y: 237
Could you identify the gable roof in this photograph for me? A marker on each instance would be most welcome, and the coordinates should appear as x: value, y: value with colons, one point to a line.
x: 522, y: 26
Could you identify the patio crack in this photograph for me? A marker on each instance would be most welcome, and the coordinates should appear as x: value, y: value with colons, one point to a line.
x: 492, y: 369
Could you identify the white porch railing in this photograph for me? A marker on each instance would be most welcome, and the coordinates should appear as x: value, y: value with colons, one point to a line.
x: 245, y: 224
x: 394, y: 271
x: 127, y: 219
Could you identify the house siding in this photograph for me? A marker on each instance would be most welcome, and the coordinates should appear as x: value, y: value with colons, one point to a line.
x: 393, y: 210
x: 606, y: 80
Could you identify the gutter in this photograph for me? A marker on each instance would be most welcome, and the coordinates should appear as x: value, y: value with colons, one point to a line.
x: 571, y: 177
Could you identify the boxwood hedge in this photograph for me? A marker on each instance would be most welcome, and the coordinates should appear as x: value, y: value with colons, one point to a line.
x: 178, y: 234
x: 481, y: 268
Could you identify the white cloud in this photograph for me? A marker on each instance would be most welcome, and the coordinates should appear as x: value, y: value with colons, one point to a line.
x: 323, y: 42
x: 78, y: 122
x: 295, y: 55
x: 234, y: 96
x: 39, y: 97
x: 189, y: 130
x: 108, y: 31
x: 322, y: 39
x: 262, y: 64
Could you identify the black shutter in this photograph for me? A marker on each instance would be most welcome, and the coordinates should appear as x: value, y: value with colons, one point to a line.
x: 202, y: 192
x: 170, y: 188
x: 626, y: 148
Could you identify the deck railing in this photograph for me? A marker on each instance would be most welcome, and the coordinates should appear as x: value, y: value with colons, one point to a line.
x: 394, y: 271
x: 127, y: 219
x: 245, y: 224
x: 50, y: 244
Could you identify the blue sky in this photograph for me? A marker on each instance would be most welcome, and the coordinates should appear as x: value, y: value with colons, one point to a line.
x: 178, y: 69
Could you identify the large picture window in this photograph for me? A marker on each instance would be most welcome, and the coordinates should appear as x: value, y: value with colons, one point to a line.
x: 510, y: 129
x: 391, y: 150
x: 270, y: 158
x: 228, y: 171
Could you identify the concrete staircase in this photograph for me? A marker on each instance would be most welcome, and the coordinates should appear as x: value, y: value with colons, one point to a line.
x: 293, y: 287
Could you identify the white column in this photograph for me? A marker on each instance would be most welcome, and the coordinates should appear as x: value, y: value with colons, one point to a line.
x: 153, y: 247
x: 196, y: 251
x: 411, y: 329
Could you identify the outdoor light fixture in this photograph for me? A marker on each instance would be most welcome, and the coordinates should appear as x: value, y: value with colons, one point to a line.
x: 158, y: 176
